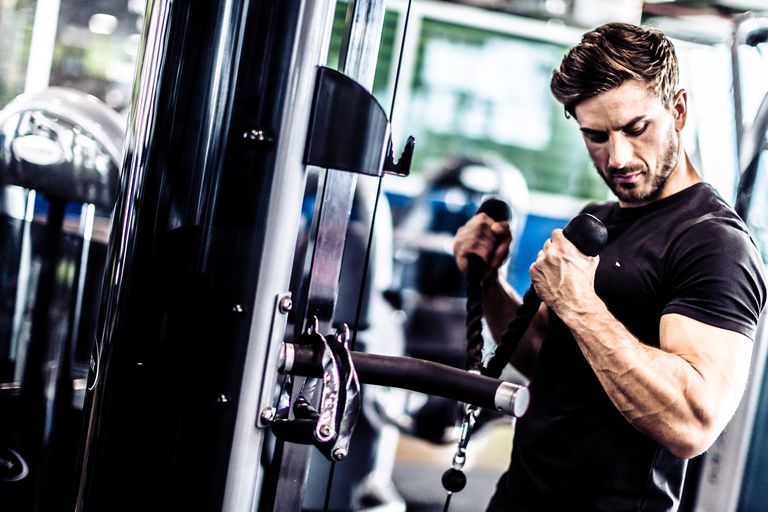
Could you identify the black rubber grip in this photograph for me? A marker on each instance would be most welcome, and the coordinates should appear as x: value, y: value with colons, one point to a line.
x: 587, y: 233
x: 496, y: 208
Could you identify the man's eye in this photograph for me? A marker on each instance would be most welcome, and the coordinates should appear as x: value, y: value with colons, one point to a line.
x: 636, y: 130
x: 597, y: 137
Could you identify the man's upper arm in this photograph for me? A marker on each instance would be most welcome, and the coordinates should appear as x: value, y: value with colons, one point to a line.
x: 716, y: 276
x: 721, y: 358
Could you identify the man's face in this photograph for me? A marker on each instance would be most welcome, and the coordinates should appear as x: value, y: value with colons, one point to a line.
x: 633, y: 140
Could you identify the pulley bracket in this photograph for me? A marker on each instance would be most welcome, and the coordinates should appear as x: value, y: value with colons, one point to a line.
x: 330, y: 427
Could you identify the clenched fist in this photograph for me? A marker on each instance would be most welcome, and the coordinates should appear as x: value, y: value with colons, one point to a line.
x: 562, y: 276
x: 485, y: 238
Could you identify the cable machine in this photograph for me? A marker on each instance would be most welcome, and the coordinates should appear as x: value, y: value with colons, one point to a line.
x: 230, y: 106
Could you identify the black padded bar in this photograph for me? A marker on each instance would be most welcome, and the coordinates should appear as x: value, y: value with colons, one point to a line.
x: 415, y: 375
x: 426, y: 377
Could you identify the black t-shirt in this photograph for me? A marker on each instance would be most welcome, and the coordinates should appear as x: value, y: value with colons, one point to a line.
x: 689, y: 254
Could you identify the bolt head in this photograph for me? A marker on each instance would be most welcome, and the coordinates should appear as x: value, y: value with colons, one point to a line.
x: 286, y: 304
x: 268, y: 415
x: 339, y: 454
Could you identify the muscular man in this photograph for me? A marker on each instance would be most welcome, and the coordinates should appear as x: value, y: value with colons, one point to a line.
x: 638, y: 357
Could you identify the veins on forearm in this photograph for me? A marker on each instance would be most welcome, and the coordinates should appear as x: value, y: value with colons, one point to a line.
x: 649, y: 387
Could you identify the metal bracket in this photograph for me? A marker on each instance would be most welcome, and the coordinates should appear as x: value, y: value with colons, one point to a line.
x: 349, y: 393
x: 325, y: 429
x: 269, y: 392
x: 329, y: 428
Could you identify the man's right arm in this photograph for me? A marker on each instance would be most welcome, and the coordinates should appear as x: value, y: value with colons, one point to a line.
x: 490, y: 241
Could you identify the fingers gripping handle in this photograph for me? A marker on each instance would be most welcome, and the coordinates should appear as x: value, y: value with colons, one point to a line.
x: 589, y: 235
x: 499, y: 211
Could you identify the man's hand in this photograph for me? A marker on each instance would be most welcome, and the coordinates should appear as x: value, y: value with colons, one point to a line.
x: 563, y: 277
x: 485, y: 238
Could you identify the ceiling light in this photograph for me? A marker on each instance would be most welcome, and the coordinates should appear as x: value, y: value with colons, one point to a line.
x: 102, y: 24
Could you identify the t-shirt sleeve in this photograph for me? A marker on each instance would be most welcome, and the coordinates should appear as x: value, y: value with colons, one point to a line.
x: 717, y: 276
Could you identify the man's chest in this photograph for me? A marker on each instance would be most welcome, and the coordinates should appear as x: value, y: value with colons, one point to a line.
x: 632, y: 281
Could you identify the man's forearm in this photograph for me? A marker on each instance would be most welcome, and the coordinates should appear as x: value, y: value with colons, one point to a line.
x: 660, y: 393
x: 500, y: 303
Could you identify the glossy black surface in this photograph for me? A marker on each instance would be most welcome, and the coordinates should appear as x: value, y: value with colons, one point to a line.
x: 184, y: 253
x: 349, y: 129
x: 49, y: 289
x: 62, y: 147
x: 63, y: 143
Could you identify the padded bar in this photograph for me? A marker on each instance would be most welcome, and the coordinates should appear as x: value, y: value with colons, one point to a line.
x: 430, y: 378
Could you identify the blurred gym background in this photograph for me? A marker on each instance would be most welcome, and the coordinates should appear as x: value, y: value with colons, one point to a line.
x: 473, y: 90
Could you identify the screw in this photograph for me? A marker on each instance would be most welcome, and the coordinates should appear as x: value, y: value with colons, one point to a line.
x: 238, y: 309
x: 222, y: 399
x: 339, y: 454
x: 325, y: 430
x: 286, y: 304
x: 268, y: 415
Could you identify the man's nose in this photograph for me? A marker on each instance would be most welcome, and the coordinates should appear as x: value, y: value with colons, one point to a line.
x: 619, y: 152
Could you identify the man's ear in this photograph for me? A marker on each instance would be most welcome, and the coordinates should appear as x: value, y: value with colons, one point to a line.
x: 680, y: 108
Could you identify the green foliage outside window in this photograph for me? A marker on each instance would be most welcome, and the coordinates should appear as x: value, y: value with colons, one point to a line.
x: 554, y: 162
x: 15, y: 40
x: 388, y: 50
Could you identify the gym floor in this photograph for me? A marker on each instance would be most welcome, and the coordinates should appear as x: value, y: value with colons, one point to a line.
x: 420, y: 465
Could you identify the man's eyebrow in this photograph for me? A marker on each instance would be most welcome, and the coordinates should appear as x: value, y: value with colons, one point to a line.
x: 592, y: 131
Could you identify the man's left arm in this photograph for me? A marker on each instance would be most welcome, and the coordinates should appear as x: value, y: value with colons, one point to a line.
x: 682, y: 394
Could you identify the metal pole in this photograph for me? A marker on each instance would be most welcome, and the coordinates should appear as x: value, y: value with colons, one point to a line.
x: 365, y: 20
x: 245, y: 474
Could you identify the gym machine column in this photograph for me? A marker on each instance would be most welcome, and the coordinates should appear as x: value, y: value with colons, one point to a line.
x: 206, y: 218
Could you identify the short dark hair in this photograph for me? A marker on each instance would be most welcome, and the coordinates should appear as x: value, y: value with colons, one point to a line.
x: 611, y: 54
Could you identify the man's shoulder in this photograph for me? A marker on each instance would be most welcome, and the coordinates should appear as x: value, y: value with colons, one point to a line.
x: 708, y: 211
x: 711, y: 232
